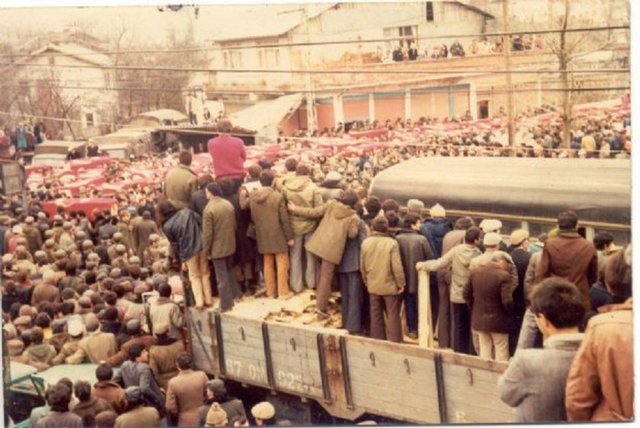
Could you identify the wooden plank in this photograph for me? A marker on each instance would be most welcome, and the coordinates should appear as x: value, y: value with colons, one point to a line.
x: 473, y: 396
x: 298, y: 370
x: 368, y: 344
x: 474, y: 362
x: 392, y: 402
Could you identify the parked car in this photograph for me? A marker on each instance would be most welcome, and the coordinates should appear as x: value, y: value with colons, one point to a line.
x: 124, y: 143
x: 27, y: 387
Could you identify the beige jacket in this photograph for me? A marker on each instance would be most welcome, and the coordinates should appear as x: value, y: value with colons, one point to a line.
x: 381, y: 266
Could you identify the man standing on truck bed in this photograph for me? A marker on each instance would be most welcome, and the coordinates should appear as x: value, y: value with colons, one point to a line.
x: 227, y: 155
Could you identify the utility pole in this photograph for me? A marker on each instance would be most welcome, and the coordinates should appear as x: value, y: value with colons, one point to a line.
x: 506, y: 49
x: 311, y: 97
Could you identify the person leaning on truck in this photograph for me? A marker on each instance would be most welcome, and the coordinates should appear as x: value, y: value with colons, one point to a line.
x: 459, y: 258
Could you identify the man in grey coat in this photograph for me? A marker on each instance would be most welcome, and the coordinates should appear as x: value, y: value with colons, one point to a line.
x: 136, y: 372
x: 535, y: 380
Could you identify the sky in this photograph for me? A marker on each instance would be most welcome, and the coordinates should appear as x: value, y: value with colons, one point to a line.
x: 145, y: 24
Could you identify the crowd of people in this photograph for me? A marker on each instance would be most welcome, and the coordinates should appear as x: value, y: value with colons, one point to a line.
x: 409, y: 50
x: 109, y: 286
x: 597, y: 133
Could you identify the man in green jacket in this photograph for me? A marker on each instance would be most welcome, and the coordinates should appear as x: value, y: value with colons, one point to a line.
x: 381, y: 268
x: 219, y: 243
x: 181, y: 182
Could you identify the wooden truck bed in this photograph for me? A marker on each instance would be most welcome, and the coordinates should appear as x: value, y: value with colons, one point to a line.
x: 258, y: 343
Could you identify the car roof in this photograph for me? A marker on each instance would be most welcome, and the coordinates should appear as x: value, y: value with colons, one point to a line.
x: 21, y: 371
x: 73, y: 372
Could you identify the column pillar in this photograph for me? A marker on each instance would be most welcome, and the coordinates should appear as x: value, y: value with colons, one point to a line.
x: 407, y: 104
x: 473, y: 100
x: 372, y: 107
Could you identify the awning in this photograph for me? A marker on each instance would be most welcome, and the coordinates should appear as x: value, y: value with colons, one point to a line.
x: 265, y: 116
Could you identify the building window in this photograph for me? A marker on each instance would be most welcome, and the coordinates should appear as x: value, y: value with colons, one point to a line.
x: 89, y: 119
x: 269, y: 58
x: 395, y: 32
x: 429, y: 11
x: 52, y: 60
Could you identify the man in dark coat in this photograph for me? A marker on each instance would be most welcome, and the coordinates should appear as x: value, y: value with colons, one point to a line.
x: 217, y: 393
x: 352, y: 295
x: 134, y: 328
x: 520, y: 255
x: 489, y: 293
x: 414, y: 248
x: 32, y: 235
x: 183, y: 229
x: 274, y: 235
x: 199, y: 198
x: 570, y: 256
x: 141, y: 232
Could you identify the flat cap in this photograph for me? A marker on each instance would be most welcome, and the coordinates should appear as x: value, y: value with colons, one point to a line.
x: 491, y: 239
x: 263, y: 410
x: 490, y: 225
x: 518, y: 236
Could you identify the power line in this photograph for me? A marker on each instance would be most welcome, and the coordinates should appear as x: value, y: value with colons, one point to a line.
x: 337, y: 42
x: 288, y: 92
x: 299, y: 71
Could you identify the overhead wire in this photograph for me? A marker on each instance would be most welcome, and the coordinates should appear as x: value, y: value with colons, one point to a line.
x: 330, y: 72
x: 213, y: 46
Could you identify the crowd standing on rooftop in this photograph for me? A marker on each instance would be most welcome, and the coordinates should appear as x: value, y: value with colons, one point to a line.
x: 106, y: 286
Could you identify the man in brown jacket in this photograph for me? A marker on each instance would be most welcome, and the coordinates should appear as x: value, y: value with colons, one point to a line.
x: 339, y: 223
x: 46, y: 291
x: 163, y: 355
x: 274, y: 235
x: 383, y: 274
x: 570, y: 256
x: 489, y: 293
x: 181, y: 182
x: 185, y: 392
x: 600, y: 382
x: 108, y: 390
x: 96, y: 346
x: 219, y: 243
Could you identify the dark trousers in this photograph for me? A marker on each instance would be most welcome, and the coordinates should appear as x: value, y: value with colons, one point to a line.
x: 379, y: 306
x: 444, y: 313
x: 351, y: 292
x: 434, y: 293
x: 461, y: 328
x: 324, y: 285
x: 228, y: 288
x: 411, y: 311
